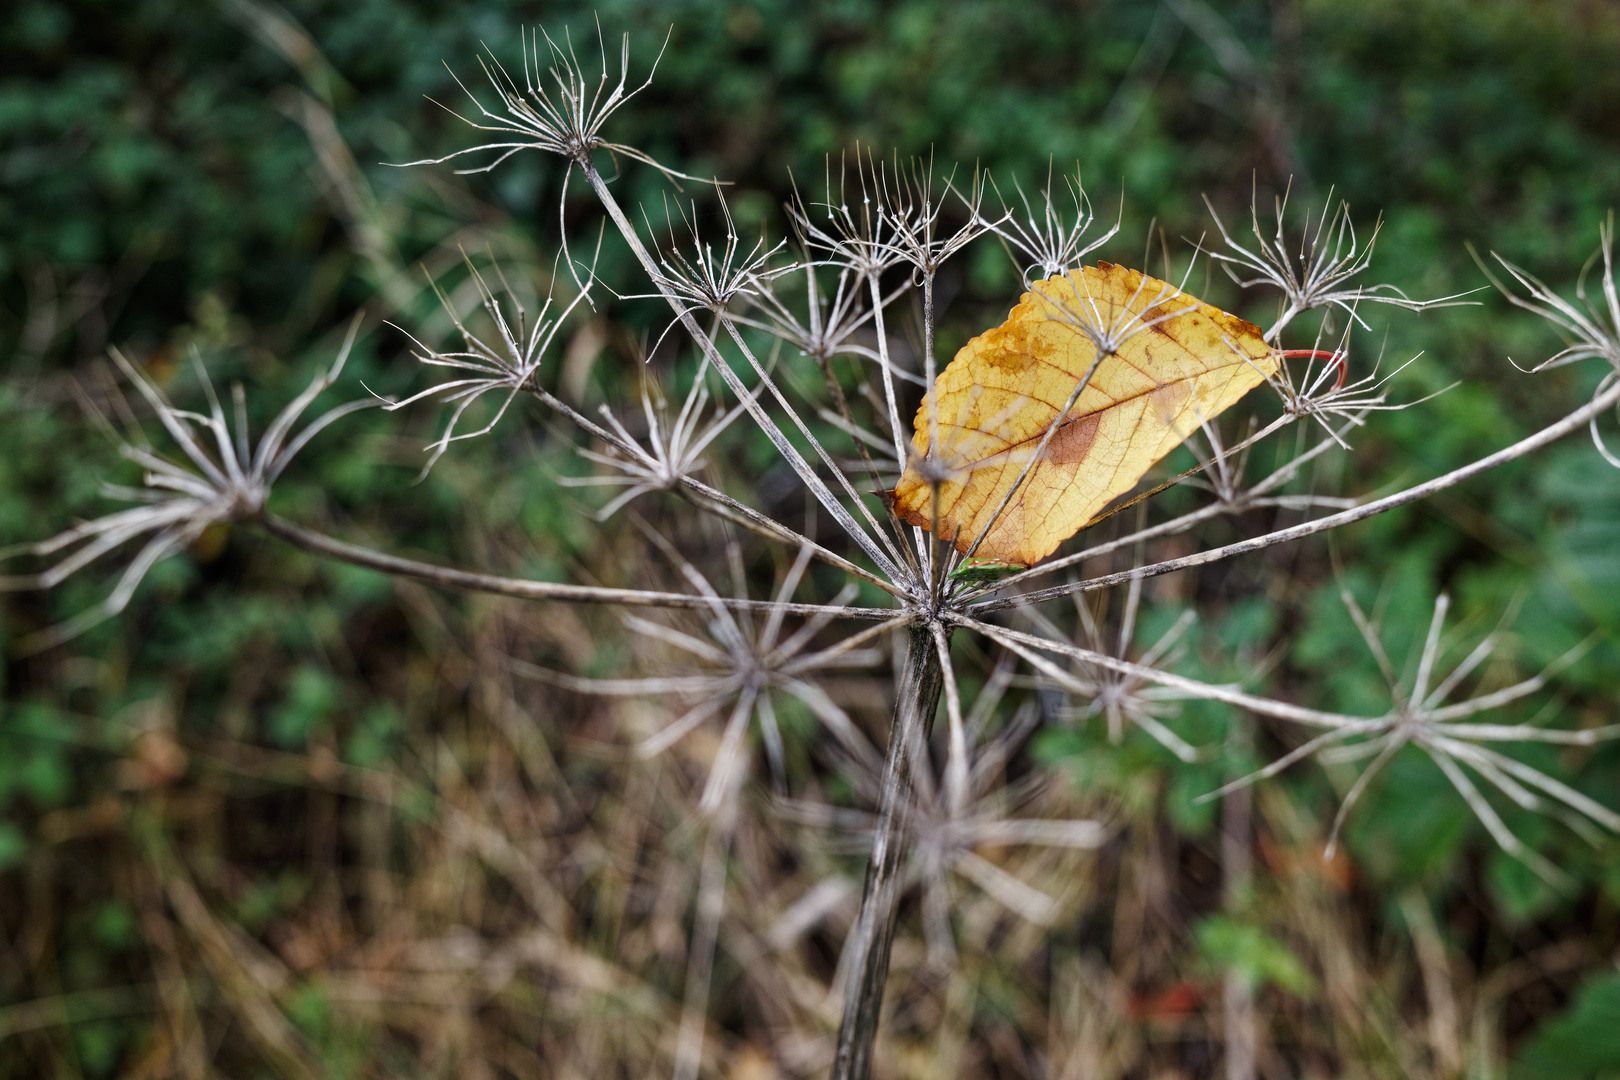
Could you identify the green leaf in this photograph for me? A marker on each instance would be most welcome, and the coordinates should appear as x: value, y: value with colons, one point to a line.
x: 13, y: 845
x: 311, y: 696
x: 1581, y: 1043
x: 1247, y: 951
x: 374, y: 738
x: 983, y: 572
x: 114, y: 924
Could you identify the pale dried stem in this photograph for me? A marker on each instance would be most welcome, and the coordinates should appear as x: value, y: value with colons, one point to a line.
x: 711, y: 902
x: 803, y: 468
x: 470, y: 581
x: 1029, y: 647
x: 1254, y: 497
x: 717, y: 502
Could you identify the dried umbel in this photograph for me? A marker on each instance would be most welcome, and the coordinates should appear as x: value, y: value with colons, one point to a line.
x: 1053, y: 244
x: 221, y: 477
x: 507, y: 362
x: 878, y: 241
x: 1322, y: 273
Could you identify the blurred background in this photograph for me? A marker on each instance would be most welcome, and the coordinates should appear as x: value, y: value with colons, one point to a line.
x: 286, y: 818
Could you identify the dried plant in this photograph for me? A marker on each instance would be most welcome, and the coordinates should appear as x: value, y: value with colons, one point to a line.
x: 507, y: 361
x: 1052, y: 244
x: 1321, y: 274
x: 881, y: 234
x: 216, y: 484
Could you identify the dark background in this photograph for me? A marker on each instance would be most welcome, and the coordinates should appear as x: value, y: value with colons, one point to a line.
x: 178, y: 175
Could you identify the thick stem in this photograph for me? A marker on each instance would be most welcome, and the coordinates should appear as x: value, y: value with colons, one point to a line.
x: 915, y: 704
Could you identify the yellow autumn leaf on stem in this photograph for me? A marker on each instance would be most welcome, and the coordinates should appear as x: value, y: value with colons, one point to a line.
x: 1019, y: 447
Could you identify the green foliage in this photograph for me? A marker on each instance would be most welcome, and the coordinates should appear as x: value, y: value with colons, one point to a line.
x: 976, y: 572
x: 373, y: 738
x: 1579, y: 1044
x: 342, y: 1048
x: 311, y: 696
x: 13, y: 845
x: 1253, y: 955
x: 114, y: 925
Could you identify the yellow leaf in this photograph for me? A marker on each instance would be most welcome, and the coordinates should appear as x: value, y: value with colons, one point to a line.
x: 1169, y: 361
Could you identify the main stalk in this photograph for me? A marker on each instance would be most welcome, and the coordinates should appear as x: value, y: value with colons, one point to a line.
x: 916, y: 701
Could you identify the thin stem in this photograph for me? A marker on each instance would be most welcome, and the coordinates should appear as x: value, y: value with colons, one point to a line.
x: 1240, y: 1026
x: 1550, y: 434
x: 936, y: 559
x: 320, y: 544
x: 885, y: 363
x: 809, y: 436
x: 1253, y: 497
x: 715, y: 501
x: 779, y: 440
x: 711, y: 903
x: 706, y: 498
x: 1025, y: 645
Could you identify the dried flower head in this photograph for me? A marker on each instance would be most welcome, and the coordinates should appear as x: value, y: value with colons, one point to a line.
x: 671, y: 452
x: 954, y: 820
x: 222, y: 478
x: 1053, y: 244
x: 1591, y: 329
x: 506, y: 361
x: 1420, y: 716
x: 1319, y: 274
x: 556, y: 109
x: 741, y: 666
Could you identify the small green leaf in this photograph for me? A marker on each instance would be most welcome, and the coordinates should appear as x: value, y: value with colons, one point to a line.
x: 311, y: 695
x: 976, y: 572
x: 1252, y: 954
x: 114, y: 925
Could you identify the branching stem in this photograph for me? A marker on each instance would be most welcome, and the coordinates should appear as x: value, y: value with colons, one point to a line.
x: 1576, y: 420
x: 790, y: 453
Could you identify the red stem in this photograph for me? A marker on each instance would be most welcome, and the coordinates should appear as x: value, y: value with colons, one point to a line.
x: 1341, y: 358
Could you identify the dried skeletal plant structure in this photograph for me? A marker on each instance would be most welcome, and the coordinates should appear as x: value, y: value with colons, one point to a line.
x: 671, y: 450
x: 1052, y: 242
x: 736, y: 668
x: 1123, y: 699
x: 1423, y: 716
x: 559, y: 109
x: 1590, y: 328
x: 829, y: 324
x: 220, y: 477
x: 732, y: 675
x: 505, y: 361
x: 958, y: 816
x: 767, y: 328
x: 1320, y: 273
